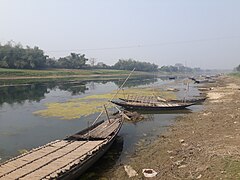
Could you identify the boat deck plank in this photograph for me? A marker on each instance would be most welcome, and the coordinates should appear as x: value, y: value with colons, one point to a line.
x: 103, y: 131
x: 31, y: 156
x: 61, y: 163
x: 21, y: 168
x: 62, y: 157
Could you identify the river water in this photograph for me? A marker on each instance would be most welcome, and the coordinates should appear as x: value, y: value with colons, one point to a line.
x: 21, y: 130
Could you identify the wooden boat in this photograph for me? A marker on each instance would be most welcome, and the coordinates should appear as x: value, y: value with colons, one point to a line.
x: 156, y: 99
x: 173, y: 89
x: 195, y: 100
x: 152, y: 105
x: 64, y: 159
x: 172, y: 77
x: 201, y: 81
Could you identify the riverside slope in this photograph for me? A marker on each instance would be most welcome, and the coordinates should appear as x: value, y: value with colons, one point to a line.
x: 201, y: 145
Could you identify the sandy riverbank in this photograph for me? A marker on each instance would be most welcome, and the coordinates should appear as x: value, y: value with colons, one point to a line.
x: 201, y: 145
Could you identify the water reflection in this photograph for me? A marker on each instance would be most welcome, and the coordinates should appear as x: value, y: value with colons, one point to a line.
x: 20, y: 129
x: 19, y: 93
x: 136, y: 81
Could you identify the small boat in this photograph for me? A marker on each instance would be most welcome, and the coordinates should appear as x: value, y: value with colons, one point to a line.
x: 152, y: 105
x: 172, y: 77
x: 201, y: 81
x: 205, y: 88
x: 173, y: 89
x: 158, y: 99
x: 67, y: 158
x: 195, y: 100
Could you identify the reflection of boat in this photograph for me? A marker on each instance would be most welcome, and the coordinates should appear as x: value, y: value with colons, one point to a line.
x: 152, y: 105
x: 64, y: 159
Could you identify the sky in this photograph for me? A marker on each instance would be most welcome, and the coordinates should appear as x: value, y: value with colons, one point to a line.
x: 196, y: 33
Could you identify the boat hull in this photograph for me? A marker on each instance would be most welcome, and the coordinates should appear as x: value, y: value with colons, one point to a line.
x: 67, y: 158
x: 79, y: 170
x: 197, y: 100
x: 128, y: 106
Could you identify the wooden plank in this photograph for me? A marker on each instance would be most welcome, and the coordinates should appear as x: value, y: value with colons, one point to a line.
x: 104, y: 133
x: 98, y: 130
x: 31, y: 156
x: 61, y: 164
x: 44, y: 160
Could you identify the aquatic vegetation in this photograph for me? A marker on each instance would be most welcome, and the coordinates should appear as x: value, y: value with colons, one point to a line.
x: 22, y: 151
x: 76, y: 108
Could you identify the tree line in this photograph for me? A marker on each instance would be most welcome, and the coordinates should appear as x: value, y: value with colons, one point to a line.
x: 18, y: 57
x: 238, y: 68
x: 179, y: 68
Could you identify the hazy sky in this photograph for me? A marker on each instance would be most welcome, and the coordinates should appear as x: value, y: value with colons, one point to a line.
x: 198, y: 33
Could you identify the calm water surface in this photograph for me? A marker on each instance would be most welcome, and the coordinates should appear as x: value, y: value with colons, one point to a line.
x: 20, y: 129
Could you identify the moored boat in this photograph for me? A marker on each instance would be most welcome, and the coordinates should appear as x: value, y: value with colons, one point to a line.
x: 67, y: 158
x: 156, y: 106
x: 158, y: 99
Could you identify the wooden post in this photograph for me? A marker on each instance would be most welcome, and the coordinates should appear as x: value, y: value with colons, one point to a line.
x: 106, y: 113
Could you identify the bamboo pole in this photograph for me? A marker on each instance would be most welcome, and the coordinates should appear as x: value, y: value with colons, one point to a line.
x: 114, y: 95
x: 106, y: 113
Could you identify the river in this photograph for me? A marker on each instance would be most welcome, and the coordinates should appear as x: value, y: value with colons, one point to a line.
x: 21, y: 129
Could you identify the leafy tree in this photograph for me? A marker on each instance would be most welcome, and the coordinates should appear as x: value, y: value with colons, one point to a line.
x: 21, y: 58
x: 130, y: 64
x: 238, y: 68
x: 73, y: 61
x: 179, y: 69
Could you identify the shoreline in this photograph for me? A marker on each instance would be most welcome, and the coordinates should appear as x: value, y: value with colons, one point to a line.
x: 61, y: 77
x: 200, y: 145
x: 19, y: 74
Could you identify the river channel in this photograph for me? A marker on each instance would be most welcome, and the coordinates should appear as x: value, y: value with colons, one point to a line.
x: 21, y: 129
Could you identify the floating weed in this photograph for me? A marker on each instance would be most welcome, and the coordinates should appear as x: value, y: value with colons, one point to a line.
x: 71, y: 110
x: 76, y: 108
x: 22, y: 151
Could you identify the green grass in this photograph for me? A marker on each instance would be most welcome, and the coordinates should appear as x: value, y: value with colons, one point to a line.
x: 58, y: 72
x: 232, y: 167
x: 236, y: 74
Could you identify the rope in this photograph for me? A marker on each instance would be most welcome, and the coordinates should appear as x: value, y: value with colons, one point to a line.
x: 114, y: 95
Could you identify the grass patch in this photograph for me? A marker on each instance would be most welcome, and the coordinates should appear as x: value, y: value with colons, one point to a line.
x: 232, y: 168
x: 76, y: 108
x: 59, y: 72
x: 236, y: 74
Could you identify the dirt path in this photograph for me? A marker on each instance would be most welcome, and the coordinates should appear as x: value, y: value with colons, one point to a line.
x: 201, y: 145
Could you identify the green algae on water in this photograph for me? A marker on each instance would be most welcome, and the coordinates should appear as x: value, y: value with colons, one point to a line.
x: 76, y: 108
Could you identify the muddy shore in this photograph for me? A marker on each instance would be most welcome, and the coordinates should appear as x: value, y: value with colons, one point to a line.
x: 200, y: 145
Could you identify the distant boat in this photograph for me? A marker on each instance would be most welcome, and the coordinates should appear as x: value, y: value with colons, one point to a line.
x: 201, y: 81
x: 173, y: 89
x: 64, y: 159
x: 172, y: 77
x: 156, y: 106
